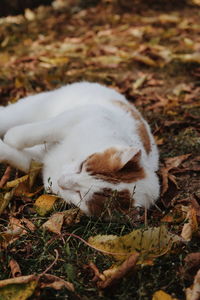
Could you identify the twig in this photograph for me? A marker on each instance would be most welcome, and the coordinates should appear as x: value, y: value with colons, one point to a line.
x: 52, y: 264
x: 5, y: 176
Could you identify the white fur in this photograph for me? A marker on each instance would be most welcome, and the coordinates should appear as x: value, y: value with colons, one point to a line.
x: 62, y: 128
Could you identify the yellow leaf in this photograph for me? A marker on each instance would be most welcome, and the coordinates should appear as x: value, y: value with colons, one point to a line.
x: 160, y: 295
x: 35, y: 168
x: 18, y: 288
x: 19, y: 83
x: 45, y: 203
x: 16, y: 182
x: 144, y: 59
x: 139, y: 82
x: 4, y: 58
x: 5, y: 199
x: 54, y: 60
x: 149, y: 243
x: 188, y: 58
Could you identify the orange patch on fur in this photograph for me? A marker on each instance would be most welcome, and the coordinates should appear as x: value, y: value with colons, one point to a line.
x: 108, y: 200
x: 108, y: 166
x: 142, y: 130
x: 104, y: 162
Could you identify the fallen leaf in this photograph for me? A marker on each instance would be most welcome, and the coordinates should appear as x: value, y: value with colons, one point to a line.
x: 18, y: 288
x: 5, y: 177
x: 160, y: 295
x: 174, y: 162
x: 193, y: 292
x: 170, y: 163
x: 191, y: 265
x: 15, y: 229
x: 176, y: 215
x: 56, y: 283
x: 55, y: 222
x: 15, y: 268
x: 149, y: 243
x: 144, y: 59
x: 188, y: 58
x: 117, y: 273
x: 191, y: 226
x: 72, y: 216
x: 139, y: 82
x: 68, y: 217
x: 34, y: 170
x: 16, y: 182
x: 5, y: 199
x: 45, y: 203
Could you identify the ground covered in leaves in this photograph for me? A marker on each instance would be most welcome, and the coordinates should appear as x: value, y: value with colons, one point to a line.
x: 152, y: 55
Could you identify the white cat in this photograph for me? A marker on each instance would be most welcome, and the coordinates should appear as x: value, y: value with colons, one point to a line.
x: 96, y: 148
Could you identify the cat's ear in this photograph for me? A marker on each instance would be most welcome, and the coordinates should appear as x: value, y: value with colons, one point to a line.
x: 113, y: 160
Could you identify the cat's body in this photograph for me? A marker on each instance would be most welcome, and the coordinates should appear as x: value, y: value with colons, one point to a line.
x: 93, y: 144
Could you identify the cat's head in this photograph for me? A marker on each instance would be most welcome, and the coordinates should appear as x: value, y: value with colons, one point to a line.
x: 113, y: 178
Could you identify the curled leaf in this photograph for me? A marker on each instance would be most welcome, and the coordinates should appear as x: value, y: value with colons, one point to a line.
x: 45, y: 203
x: 116, y: 273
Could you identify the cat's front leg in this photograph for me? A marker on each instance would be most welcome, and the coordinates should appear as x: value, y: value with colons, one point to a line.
x: 28, y: 135
x: 14, y: 157
x: 23, y: 136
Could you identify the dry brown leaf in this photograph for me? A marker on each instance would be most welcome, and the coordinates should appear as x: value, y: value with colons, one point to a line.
x: 72, y: 216
x: 170, y: 163
x: 56, y: 283
x: 176, y: 215
x: 191, y: 265
x: 193, y: 292
x: 113, y: 275
x: 55, y: 222
x: 192, y: 225
x: 15, y: 268
x: 15, y: 229
x: 5, y: 177
x: 68, y: 217
x: 17, y: 280
x: 188, y: 58
x: 174, y: 162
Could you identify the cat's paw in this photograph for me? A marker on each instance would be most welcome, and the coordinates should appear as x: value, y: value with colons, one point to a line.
x: 14, y: 137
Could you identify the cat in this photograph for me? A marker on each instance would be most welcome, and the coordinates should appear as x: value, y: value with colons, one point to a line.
x: 97, y: 150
